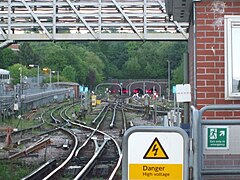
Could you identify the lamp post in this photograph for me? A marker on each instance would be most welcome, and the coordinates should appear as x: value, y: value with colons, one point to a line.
x: 20, y: 89
x: 38, y: 78
x: 57, y: 76
x: 169, y: 77
x: 50, y: 77
x: 21, y: 79
x: 48, y: 70
x: 20, y: 75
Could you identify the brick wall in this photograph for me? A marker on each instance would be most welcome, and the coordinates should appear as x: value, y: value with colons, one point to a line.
x: 210, y: 53
x: 210, y: 73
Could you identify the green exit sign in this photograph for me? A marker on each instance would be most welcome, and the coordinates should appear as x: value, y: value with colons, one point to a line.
x: 217, y: 137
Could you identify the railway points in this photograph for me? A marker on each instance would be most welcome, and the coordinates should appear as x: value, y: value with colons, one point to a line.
x: 81, y: 142
x: 110, y: 118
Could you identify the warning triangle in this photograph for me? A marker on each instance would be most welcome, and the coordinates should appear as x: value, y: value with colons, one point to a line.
x: 155, y: 151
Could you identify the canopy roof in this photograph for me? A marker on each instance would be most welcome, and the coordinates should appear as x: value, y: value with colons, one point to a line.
x: 3, y: 71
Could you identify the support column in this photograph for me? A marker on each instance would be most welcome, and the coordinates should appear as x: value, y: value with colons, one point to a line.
x: 186, y: 81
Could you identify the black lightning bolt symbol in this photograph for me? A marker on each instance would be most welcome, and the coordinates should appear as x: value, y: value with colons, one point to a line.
x: 155, y: 149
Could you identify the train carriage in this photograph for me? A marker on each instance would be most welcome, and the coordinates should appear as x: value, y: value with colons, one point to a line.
x: 4, y: 76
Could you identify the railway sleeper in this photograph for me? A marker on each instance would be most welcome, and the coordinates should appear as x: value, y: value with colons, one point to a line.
x: 42, y: 170
x: 89, y: 166
x: 101, y: 170
x: 71, y: 171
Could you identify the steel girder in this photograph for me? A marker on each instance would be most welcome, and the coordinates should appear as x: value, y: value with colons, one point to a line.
x: 53, y: 20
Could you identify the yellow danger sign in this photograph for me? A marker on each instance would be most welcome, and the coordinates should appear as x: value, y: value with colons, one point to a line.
x: 156, y: 151
x: 155, y: 171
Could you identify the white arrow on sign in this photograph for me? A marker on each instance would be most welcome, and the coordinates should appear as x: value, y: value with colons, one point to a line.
x: 222, y: 133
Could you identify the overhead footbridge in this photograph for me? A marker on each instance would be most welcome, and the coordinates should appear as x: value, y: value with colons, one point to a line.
x: 63, y: 20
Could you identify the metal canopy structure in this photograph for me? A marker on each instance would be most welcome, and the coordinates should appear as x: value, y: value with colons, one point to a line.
x: 53, y: 20
x: 179, y: 10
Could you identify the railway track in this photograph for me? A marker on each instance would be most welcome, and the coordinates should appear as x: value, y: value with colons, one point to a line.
x: 106, y: 146
x: 72, y: 149
x: 91, y: 144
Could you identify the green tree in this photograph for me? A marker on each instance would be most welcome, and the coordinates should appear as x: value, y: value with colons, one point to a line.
x: 133, y: 68
x: 148, y: 72
x: 94, y: 61
x: 26, y: 54
x: 132, y: 48
x: 91, y: 78
x: 177, y: 75
x: 114, y: 55
x: 55, y: 57
x: 106, y: 59
x: 16, y: 70
x: 7, y: 57
x: 69, y: 73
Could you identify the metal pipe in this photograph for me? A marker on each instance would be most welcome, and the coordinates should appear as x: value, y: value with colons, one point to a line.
x: 194, y: 57
x: 221, y: 122
x: 169, y: 74
x: 58, y: 78
x: 220, y: 107
x: 195, y: 136
x: 144, y: 87
x: 186, y: 81
x: 50, y: 77
x: 38, y: 78
x: 9, y: 34
x: 221, y: 172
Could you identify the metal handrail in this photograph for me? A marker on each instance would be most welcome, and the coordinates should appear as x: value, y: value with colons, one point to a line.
x: 198, y: 123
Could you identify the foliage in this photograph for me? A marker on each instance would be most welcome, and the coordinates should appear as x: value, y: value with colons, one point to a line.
x: 69, y: 73
x: 91, y: 63
x: 178, y: 75
x: 132, y: 68
x: 91, y: 78
x: 7, y: 58
x: 18, y: 71
x: 15, y: 170
x: 27, y: 55
x: 151, y: 58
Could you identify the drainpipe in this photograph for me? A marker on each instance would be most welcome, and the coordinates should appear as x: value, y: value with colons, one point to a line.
x: 186, y: 81
x: 196, y: 170
x: 194, y: 57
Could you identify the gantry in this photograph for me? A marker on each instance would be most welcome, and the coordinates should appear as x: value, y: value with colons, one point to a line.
x: 57, y: 20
